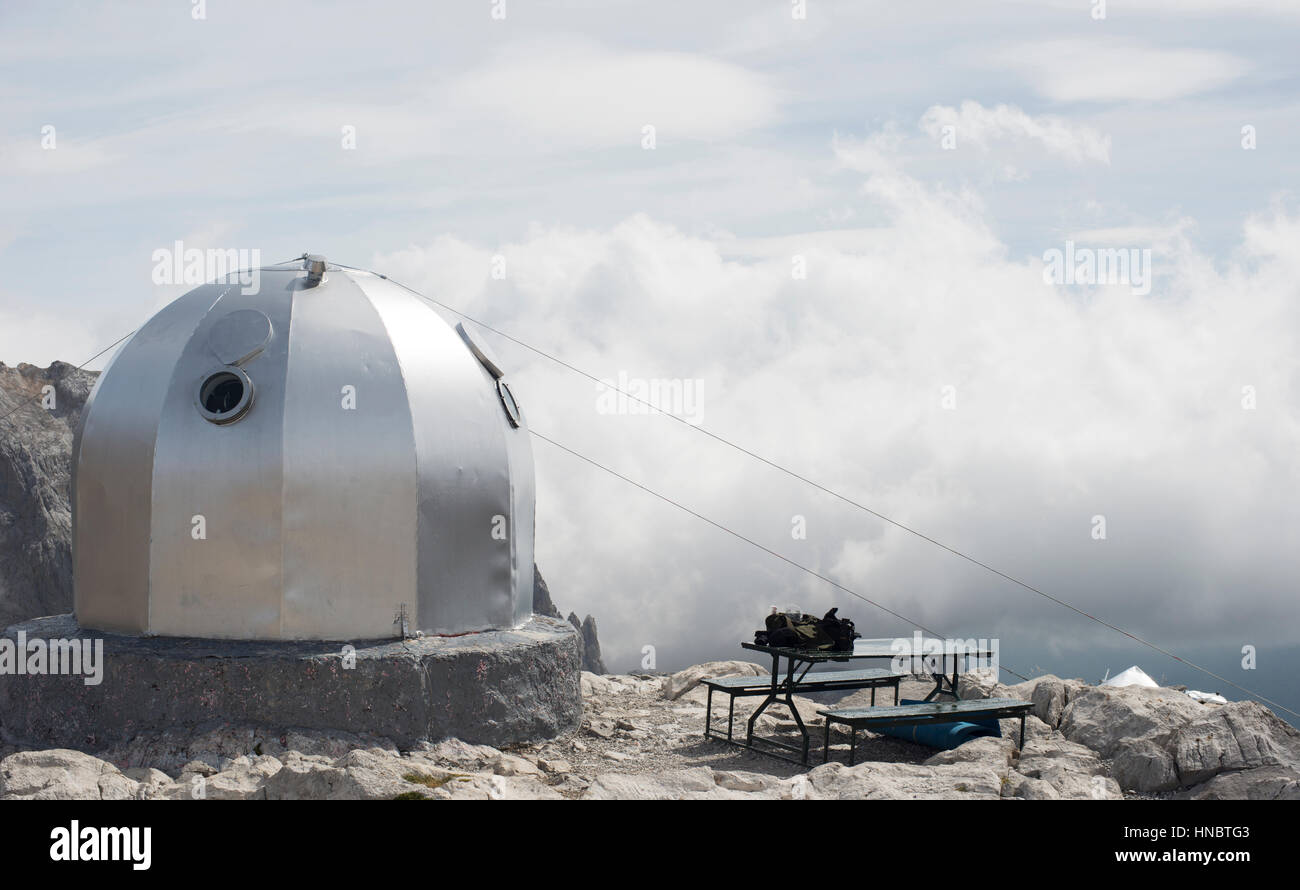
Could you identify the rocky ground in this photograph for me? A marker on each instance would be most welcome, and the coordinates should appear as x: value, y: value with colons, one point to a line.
x: 642, y: 739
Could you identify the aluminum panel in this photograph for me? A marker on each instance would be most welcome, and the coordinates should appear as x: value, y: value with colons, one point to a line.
x: 225, y: 583
x: 350, y: 471
x: 112, y: 468
x: 466, y: 580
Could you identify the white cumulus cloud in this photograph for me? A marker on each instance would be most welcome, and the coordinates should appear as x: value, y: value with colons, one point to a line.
x: 982, y: 126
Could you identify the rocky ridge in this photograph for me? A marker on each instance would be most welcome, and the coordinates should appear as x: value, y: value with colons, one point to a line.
x: 642, y: 739
x: 37, y: 426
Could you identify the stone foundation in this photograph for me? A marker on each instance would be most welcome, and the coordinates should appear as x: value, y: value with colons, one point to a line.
x: 489, y: 688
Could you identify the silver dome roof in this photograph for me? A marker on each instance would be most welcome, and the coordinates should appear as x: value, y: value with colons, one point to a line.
x: 305, y: 461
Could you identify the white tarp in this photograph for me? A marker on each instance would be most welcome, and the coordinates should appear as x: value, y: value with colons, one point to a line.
x: 1134, y: 676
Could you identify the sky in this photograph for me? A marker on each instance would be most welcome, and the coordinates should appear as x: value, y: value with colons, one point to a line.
x: 1022, y: 276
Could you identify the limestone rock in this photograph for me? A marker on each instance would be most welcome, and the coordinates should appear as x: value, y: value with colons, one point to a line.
x: 492, y: 787
x: 35, y: 465
x: 513, y: 765
x: 686, y: 680
x: 1041, y: 755
x: 1261, y: 783
x: 62, y: 774
x: 977, y: 684
x: 685, y: 784
x: 1014, y: 784
x: 456, y: 753
x: 1050, y: 696
x: 1107, y: 718
x: 988, y: 750
x: 358, y: 775
x: 1236, y: 736
x: 1145, y: 765
x: 595, y: 684
x: 1034, y: 729
x: 244, y: 779
x: 898, y: 781
x: 1133, y: 727
x: 750, y: 783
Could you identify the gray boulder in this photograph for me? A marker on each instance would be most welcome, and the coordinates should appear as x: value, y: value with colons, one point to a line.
x: 684, y: 681
x: 1049, y: 693
x: 1015, y: 784
x: 1073, y: 771
x: 61, y: 774
x: 1044, y: 755
x: 899, y: 781
x: 35, y: 474
x: 988, y: 750
x: 1050, y: 696
x: 1261, y: 783
x: 682, y: 784
x: 1107, y: 718
x: 1133, y: 726
x: 1236, y: 736
x: 1162, y: 740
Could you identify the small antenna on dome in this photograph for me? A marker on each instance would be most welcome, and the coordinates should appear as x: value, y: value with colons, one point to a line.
x: 315, y: 265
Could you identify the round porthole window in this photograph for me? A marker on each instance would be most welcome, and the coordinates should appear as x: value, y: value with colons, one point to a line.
x: 508, y: 400
x: 225, y: 395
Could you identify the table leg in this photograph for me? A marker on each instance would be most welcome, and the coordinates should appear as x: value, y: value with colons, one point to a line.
x: 794, y: 711
x: 771, y: 697
x: 708, y: 714
x: 826, y: 742
x: 1022, y: 732
x: 731, y: 716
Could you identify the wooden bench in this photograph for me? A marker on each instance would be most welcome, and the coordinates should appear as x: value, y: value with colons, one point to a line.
x: 823, y: 681
x: 914, y: 715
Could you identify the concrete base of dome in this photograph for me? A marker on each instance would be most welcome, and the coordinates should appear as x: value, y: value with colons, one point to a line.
x: 487, y: 688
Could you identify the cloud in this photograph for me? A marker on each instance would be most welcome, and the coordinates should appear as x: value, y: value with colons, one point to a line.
x: 1069, y: 403
x: 27, y: 157
x: 38, y: 338
x: 1207, y: 8
x: 982, y: 126
x: 574, y: 94
x: 1079, y: 70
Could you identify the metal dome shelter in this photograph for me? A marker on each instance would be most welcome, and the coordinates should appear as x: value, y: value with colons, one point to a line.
x: 305, y: 461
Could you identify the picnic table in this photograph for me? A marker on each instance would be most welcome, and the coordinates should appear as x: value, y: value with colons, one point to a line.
x: 783, y: 685
x: 944, y: 684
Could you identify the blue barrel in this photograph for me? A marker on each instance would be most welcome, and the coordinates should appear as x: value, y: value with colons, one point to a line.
x: 941, y: 735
